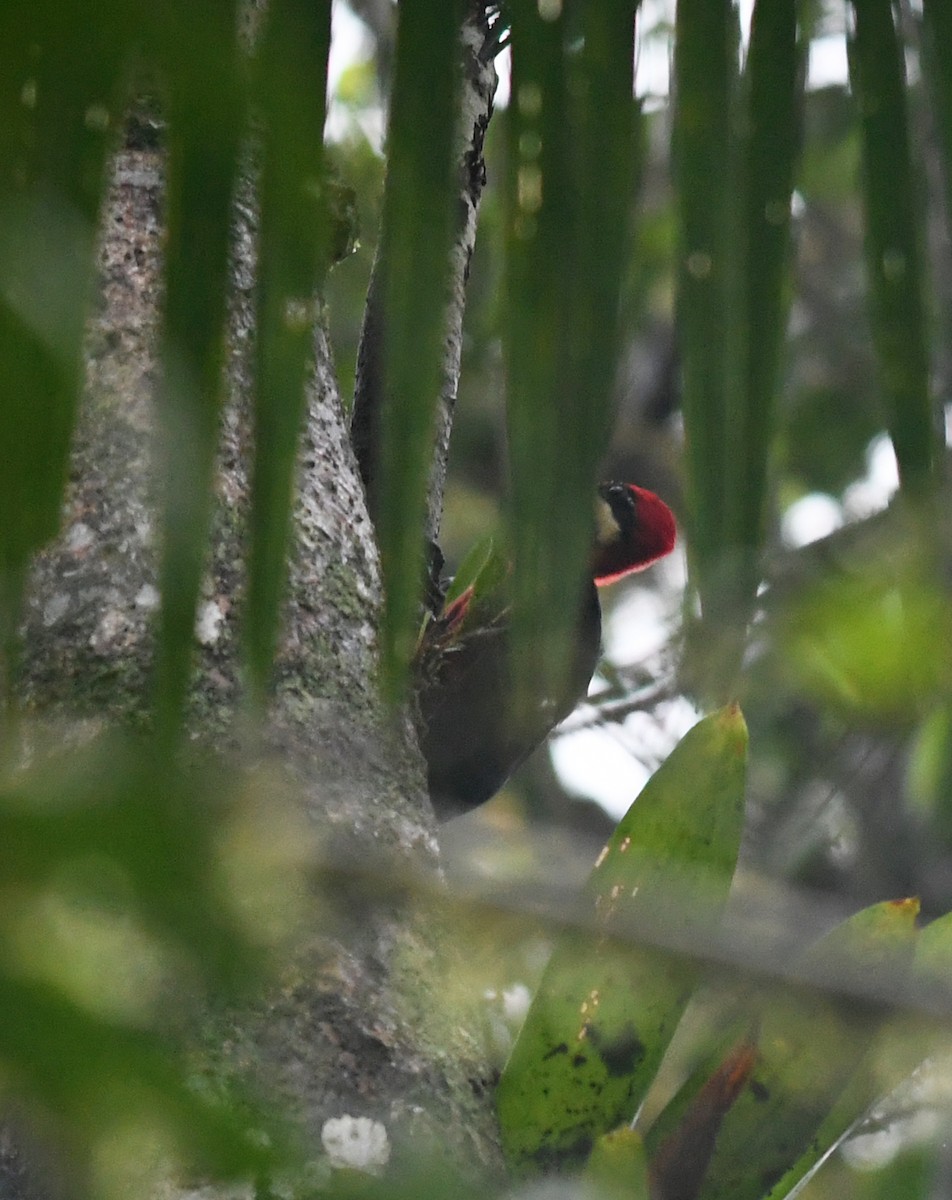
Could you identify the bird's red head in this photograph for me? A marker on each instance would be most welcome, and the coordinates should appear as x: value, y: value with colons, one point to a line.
x: 634, y: 528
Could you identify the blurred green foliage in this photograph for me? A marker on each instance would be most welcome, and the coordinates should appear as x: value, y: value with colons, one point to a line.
x: 778, y: 305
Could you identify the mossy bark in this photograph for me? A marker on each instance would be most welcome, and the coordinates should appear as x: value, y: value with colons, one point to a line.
x: 353, y: 1024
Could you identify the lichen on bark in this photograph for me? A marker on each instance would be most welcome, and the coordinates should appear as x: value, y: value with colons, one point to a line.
x: 353, y: 1023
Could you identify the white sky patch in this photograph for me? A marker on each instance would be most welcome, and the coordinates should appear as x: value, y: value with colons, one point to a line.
x: 611, y: 764
x: 639, y: 625
x: 653, y: 52
x: 872, y: 493
x: 816, y: 515
x: 810, y: 518
x: 636, y: 628
x: 515, y: 1002
x: 351, y: 43
x: 504, y: 71
x: 827, y: 66
x: 593, y: 763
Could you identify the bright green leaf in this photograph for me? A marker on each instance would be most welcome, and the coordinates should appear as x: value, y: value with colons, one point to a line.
x: 606, y: 1007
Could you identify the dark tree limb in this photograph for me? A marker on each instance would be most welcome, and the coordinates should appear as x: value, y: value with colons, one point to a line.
x: 478, y: 86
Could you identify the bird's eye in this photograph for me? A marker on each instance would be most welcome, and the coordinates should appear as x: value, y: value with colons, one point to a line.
x: 615, y: 494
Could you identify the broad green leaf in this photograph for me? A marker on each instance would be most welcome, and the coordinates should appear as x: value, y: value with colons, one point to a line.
x: 607, y: 1006
x: 413, y: 273
x: 933, y: 962
x: 893, y: 242
x: 292, y: 256
x: 880, y: 1070
x: 199, y: 61
x: 811, y: 1044
x: 570, y: 167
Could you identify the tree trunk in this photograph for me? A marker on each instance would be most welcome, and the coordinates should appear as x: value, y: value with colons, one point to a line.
x: 356, y: 1025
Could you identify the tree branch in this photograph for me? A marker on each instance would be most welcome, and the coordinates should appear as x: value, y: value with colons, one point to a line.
x: 476, y: 99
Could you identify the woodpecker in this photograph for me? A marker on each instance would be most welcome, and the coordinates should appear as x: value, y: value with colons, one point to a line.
x: 470, y: 740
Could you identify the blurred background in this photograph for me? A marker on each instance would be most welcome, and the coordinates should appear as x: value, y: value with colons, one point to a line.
x: 834, y: 807
x: 851, y: 765
x: 838, y: 645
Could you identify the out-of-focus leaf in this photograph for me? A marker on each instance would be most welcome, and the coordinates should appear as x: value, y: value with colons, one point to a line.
x: 813, y: 460
x: 199, y: 60
x: 606, y: 1009
x: 772, y: 103
x: 98, y: 1082
x: 293, y: 247
x: 58, y: 110
x: 705, y: 64
x: 873, y: 646
x: 118, y: 913
x: 897, y: 1049
x: 617, y: 1168
x: 413, y: 264
x: 571, y: 162
x: 937, y: 60
x: 893, y: 242
x: 123, y: 804
x: 735, y: 151
x: 811, y: 1045
x: 420, y: 1178
x: 680, y: 1164
x: 929, y: 773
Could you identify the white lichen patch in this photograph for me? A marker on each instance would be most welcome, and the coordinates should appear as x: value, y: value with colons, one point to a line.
x: 356, y: 1142
x: 111, y: 626
x: 208, y: 623
x: 55, y: 608
x: 147, y: 597
x: 79, y: 538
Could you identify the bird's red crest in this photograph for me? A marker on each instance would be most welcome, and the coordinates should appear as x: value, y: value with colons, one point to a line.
x: 640, y: 530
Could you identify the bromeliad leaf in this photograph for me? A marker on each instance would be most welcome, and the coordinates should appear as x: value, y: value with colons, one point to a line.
x: 607, y: 1007
x: 483, y: 569
x: 811, y: 1046
x: 617, y: 1168
x: 892, y: 1056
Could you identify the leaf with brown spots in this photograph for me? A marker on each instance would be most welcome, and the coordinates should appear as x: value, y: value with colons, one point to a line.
x: 608, y: 1004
